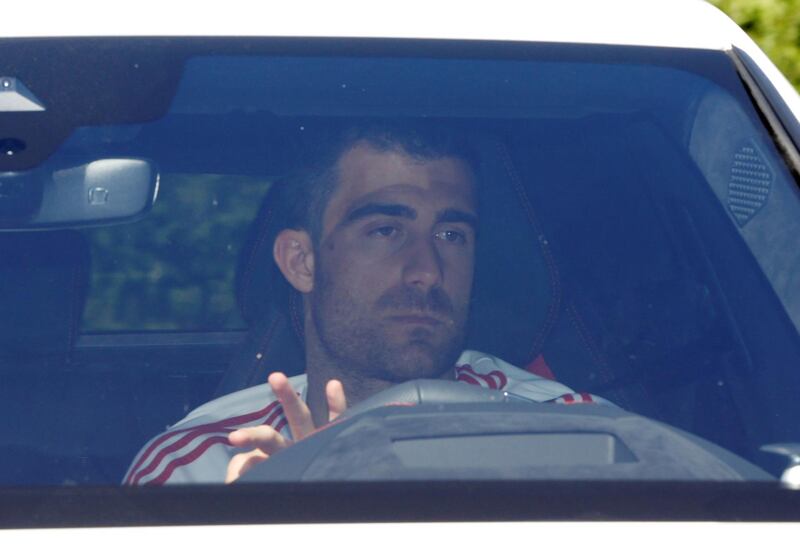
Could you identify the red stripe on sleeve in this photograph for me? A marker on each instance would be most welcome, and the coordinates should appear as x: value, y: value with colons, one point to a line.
x: 540, y: 368
x: 466, y: 374
x: 501, y: 378
x: 488, y: 379
x: 198, y: 451
x: 188, y: 438
x: 210, y: 427
x: 187, y: 459
x: 464, y: 377
x: 493, y: 380
x: 171, y: 448
x: 462, y: 368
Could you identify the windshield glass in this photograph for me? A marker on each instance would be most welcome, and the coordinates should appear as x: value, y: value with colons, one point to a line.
x: 577, y: 233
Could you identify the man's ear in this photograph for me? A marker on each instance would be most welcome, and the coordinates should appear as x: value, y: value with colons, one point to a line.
x: 294, y: 254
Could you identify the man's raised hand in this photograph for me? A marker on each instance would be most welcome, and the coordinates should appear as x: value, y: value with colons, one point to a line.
x: 265, y: 441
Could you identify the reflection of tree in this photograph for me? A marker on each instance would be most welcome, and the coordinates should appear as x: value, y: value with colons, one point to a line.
x: 774, y: 25
x: 174, y: 269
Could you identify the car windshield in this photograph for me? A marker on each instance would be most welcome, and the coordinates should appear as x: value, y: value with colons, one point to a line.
x: 605, y: 230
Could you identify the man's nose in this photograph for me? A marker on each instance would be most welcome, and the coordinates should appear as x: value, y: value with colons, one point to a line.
x: 423, y: 268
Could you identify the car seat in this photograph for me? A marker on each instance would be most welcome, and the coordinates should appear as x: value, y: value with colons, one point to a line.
x: 43, y: 284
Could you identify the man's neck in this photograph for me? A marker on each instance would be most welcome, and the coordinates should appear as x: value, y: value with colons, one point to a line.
x: 356, y: 389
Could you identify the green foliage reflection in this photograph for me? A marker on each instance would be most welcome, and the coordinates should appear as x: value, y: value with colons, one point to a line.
x: 174, y: 269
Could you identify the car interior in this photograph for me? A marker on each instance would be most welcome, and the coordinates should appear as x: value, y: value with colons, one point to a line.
x: 606, y: 260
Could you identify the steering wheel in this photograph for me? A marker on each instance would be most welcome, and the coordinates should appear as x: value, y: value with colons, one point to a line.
x: 444, y: 430
x: 417, y: 392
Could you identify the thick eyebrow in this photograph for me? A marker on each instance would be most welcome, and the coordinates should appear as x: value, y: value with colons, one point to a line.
x: 449, y: 215
x: 453, y: 215
x: 374, y: 208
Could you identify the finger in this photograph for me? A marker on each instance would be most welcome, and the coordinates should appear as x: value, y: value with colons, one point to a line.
x: 294, y: 408
x: 243, y: 462
x: 337, y: 402
x: 262, y: 437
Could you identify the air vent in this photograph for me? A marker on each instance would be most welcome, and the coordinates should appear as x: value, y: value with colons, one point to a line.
x: 750, y: 183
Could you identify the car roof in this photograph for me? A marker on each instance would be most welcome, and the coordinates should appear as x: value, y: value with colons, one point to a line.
x: 675, y: 23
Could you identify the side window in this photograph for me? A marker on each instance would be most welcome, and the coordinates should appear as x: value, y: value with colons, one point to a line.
x: 175, y: 268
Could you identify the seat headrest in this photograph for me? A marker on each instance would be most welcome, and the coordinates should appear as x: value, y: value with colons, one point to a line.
x: 516, y: 294
x: 517, y: 290
x: 43, y: 283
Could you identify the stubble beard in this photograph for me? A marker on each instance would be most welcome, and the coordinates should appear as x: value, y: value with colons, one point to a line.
x: 355, y: 338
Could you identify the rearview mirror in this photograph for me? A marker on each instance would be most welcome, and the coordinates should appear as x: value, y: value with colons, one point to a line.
x: 102, y: 191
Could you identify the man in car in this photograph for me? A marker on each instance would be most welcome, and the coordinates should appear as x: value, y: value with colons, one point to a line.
x: 382, y: 250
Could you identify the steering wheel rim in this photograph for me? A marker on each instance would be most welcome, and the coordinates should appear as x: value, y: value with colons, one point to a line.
x: 425, y: 391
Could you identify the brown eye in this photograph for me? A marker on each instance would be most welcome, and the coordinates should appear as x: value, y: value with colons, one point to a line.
x: 452, y: 236
x: 384, y: 231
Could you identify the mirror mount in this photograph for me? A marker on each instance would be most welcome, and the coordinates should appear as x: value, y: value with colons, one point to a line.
x: 100, y: 192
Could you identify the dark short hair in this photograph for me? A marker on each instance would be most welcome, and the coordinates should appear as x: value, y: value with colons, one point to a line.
x: 305, y: 193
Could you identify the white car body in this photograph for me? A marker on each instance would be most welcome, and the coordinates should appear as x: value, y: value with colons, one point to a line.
x: 663, y: 23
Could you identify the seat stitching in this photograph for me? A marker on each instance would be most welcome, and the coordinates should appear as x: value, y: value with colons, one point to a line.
x: 266, y: 338
x: 588, y: 344
x: 249, y: 268
x: 296, y: 324
x: 595, y: 353
x: 555, y: 283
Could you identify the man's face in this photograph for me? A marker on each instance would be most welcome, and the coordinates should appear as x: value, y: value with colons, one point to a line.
x: 394, y: 264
